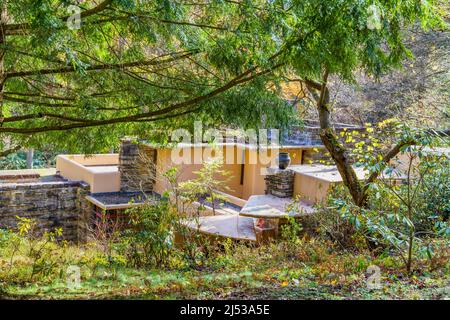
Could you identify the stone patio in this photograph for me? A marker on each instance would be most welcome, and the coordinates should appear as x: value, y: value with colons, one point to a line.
x: 225, y: 226
x: 271, y: 207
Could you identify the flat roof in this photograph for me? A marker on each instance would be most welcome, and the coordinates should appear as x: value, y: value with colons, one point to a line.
x: 439, y: 151
x: 103, y: 169
x: 331, y: 173
x: 120, y: 200
x: 41, y: 172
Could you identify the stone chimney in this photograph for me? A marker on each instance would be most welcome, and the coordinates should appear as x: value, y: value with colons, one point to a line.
x: 137, y: 166
x: 280, y: 183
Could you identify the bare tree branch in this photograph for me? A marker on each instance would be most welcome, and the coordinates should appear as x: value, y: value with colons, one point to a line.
x: 106, y: 66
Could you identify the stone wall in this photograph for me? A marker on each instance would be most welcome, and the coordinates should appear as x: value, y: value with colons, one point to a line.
x: 137, y: 166
x: 280, y: 183
x: 51, y: 204
x: 321, y: 156
x: 306, y: 136
x: 310, y: 136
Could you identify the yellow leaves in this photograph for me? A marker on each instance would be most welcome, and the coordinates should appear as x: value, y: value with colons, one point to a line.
x: 25, y: 225
x: 384, y: 123
x: 58, y: 232
x: 369, y: 130
x: 359, y: 145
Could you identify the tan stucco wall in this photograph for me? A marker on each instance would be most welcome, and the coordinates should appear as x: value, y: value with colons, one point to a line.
x: 254, y: 183
x: 187, y: 171
x: 401, y: 163
x: 76, y: 167
x: 73, y: 167
x: 311, y: 190
x: 253, y: 178
x: 93, y: 160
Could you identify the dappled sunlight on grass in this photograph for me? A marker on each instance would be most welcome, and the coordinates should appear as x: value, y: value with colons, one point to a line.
x: 308, y: 270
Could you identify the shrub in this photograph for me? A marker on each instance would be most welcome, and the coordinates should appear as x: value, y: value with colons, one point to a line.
x: 434, y: 194
x: 149, y: 240
x: 290, y: 231
x: 206, y: 183
x: 30, y: 255
x: 336, y: 220
x: 106, y: 231
x: 18, y: 160
x: 401, y: 218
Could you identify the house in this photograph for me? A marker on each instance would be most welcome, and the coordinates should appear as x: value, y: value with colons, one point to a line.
x: 85, y: 185
x: 119, y: 181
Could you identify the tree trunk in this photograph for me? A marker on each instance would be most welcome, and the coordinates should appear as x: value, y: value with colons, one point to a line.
x: 337, y: 151
x: 3, y: 18
x: 30, y: 156
x: 410, y: 251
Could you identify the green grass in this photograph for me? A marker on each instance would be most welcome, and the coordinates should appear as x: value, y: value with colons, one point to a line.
x: 308, y: 270
x: 160, y: 284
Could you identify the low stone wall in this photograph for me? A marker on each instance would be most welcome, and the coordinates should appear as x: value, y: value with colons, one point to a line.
x: 51, y: 204
x: 280, y: 183
x: 302, y: 136
x: 137, y: 166
x: 321, y: 155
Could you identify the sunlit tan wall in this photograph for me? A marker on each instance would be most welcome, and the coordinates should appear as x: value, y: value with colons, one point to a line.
x: 310, y: 189
x: 73, y: 167
x: 253, y: 180
x: 70, y: 169
x: 401, y: 163
x: 254, y: 183
x: 187, y: 171
x: 94, y: 160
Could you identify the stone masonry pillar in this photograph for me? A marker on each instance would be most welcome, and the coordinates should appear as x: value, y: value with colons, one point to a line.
x: 137, y: 166
x: 280, y: 183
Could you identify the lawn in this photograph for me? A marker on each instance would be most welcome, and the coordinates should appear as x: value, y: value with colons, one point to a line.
x: 308, y: 270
